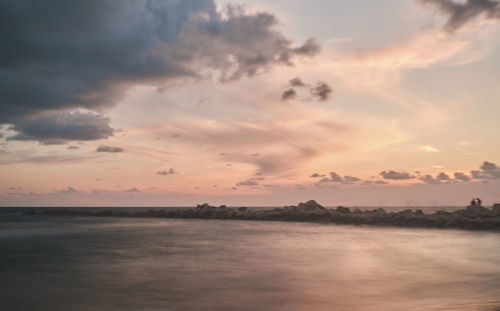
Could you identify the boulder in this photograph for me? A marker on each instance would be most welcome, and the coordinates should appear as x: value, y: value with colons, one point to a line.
x: 311, y: 205
x: 343, y: 210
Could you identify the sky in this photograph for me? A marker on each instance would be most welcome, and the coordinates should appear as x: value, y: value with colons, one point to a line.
x: 249, y: 102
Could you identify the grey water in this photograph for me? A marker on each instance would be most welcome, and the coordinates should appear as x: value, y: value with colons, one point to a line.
x: 90, y: 263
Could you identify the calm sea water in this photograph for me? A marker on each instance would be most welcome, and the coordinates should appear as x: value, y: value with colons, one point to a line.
x: 85, y: 263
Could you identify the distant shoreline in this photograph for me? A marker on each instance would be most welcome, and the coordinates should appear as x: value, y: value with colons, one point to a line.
x: 470, y: 218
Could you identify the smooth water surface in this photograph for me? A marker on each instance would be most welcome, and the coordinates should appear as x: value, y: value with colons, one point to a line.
x: 79, y: 263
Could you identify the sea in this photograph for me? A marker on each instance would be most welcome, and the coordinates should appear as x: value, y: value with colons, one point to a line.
x: 91, y: 263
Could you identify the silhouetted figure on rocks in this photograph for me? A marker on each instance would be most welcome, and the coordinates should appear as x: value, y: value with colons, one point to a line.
x: 473, y: 202
x: 479, y: 201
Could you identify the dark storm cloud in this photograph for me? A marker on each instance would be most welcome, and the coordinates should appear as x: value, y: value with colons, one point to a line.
x: 297, y: 82
x: 461, y: 12
x: 396, y: 175
x: 288, y: 94
x: 59, y: 54
x: 110, y: 149
x: 321, y: 91
x: 61, y: 127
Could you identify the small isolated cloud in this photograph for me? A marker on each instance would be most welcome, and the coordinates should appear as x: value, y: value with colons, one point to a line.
x: 317, y: 175
x: 430, y: 149
x: 428, y: 179
x: 321, y: 91
x: 288, y: 94
x: 297, y: 82
x: 487, y: 170
x: 460, y: 13
x: 134, y: 189
x: 336, y: 178
x: 165, y: 172
x: 393, y: 175
x: 443, y: 177
x: 255, y: 154
x: 110, y: 149
x: 64, y: 191
x: 73, y: 147
x: 461, y: 176
x: 23, y: 194
x: 300, y: 187
x: 251, y: 182
x: 234, y: 188
x: 351, y: 179
x: 373, y: 182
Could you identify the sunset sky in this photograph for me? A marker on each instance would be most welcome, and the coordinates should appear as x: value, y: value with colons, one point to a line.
x: 251, y: 102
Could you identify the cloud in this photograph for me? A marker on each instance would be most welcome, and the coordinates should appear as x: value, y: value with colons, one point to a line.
x: 440, y: 178
x: 322, y: 91
x: 373, y: 182
x: 460, y: 13
x: 164, y: 172
x: 488, y: 170
x: 288, y: 94
x: 72, y: 147
x: 461, y: 176
x: 64, y: 191
x: 300, y: 187
x: 110, y: 149
x: 317, y: 175
x: 297, y: 82
x: 336, y: 178
x: 23, y: 194
x: 58, y: 55
x: 428, y: 179
x: 283, y: 146
x: 430, y: 149
x: 61, y: 127
x: 443, y: 177
x: 393, y: 175
x: 249, y: 182
x: 132, y: 190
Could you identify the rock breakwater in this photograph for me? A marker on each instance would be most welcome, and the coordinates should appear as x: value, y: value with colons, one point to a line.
x: 470, y: 218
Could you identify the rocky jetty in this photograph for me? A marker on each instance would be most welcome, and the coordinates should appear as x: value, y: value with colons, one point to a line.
x: 470, y: 218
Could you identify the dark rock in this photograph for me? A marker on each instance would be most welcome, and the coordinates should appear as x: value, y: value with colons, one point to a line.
x: 343, y: 210
x: 470, y: 218
x: 311, y: 205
